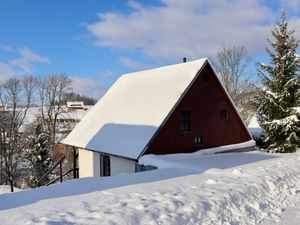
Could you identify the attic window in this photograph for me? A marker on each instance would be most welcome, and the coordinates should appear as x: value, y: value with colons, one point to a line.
x: 186, y: 120
x: 223, y: 115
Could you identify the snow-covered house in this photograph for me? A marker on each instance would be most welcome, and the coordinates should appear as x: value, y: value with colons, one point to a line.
x: 71, y: 105
x: 3, y: 108
x: 180, y: 108
x: 257, y: 132
x: 254, y: 127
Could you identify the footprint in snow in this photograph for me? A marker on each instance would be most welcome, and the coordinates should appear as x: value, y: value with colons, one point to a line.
x: 211, y: 181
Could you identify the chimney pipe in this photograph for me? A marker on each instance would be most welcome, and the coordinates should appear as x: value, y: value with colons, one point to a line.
x: 184, y: 59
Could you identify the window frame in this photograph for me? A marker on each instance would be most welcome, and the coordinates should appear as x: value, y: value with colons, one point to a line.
x: 223, y: 114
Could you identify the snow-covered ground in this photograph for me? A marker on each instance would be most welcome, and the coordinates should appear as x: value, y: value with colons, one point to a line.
x: 6, y: 189
x: 231, y: 188
x: 290, y: 215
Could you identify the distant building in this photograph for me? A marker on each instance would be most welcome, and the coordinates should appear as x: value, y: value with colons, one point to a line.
x: 4, y: 117
x: 3, y: 108
x: 75, y: 105
x: 180, y: 108
x: 258, y: 133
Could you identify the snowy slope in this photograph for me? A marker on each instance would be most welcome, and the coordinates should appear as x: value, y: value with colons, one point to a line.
x: 233, y: 188
x: 198, y: 160
x: 290, y: 215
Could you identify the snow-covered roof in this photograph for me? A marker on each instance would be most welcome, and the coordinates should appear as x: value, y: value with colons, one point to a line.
x: 254, y: 127
x: 195, y: 160
x: 33, y: 113
x: 3, y: 107
x: 125, y: 119
x: 253, y: 123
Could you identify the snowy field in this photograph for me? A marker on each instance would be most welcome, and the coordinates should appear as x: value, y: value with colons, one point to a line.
x: 290, y: 215
x: 6, y: 189
x: 232, y: 188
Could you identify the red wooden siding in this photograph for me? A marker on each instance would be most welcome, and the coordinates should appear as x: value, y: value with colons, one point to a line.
x: 205, y: 99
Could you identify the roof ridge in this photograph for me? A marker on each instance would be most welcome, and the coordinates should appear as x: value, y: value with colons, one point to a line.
x: 156, y: 69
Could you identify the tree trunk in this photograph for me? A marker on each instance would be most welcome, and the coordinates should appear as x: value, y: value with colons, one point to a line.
x: 11, y: 185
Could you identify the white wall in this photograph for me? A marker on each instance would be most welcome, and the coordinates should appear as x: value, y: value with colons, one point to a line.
x: 121, y: 165
x: 96, y: 163
x: 89, y: 164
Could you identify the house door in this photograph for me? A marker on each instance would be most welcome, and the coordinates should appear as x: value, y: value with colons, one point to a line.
x: 104, y: 165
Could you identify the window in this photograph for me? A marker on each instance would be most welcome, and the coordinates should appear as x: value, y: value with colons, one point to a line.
x: 199, y: 141
x: 186, y: 121
x: 223, y: 115
x: 104, y: 165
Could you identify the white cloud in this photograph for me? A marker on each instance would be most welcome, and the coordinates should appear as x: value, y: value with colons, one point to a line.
x: 6, y: 71
x: 106, y: 73
x: 290, y: 5
x: 191, y: 28
x: 132, y: 64
x: 26, y: 60
x: 30, y: 56
x: 295, y: 24
x: 6, y: 48
x: 88, y: 87
x: 21, y: 65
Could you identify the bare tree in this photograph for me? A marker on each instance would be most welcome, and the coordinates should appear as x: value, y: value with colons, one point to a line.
x: 51, y: 91
x: 231, y: 64
x: 17, y: 94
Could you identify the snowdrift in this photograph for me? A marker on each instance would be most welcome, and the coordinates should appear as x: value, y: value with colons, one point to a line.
x: 239, y: 191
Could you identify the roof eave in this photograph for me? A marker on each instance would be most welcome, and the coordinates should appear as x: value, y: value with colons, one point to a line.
x: 101, y: 152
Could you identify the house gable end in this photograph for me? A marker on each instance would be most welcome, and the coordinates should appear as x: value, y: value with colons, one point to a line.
x: 214, y: 120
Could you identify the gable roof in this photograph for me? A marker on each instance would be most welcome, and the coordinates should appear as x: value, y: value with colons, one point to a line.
x: 124, y: 120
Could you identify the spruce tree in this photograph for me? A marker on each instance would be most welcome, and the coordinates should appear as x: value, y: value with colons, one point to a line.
x: 39, y: 157
x: 278, y: 111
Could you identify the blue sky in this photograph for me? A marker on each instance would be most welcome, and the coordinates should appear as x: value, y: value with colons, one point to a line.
x: 95, y: 41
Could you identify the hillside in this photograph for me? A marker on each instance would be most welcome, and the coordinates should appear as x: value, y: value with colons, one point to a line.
x: 232, y: 188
